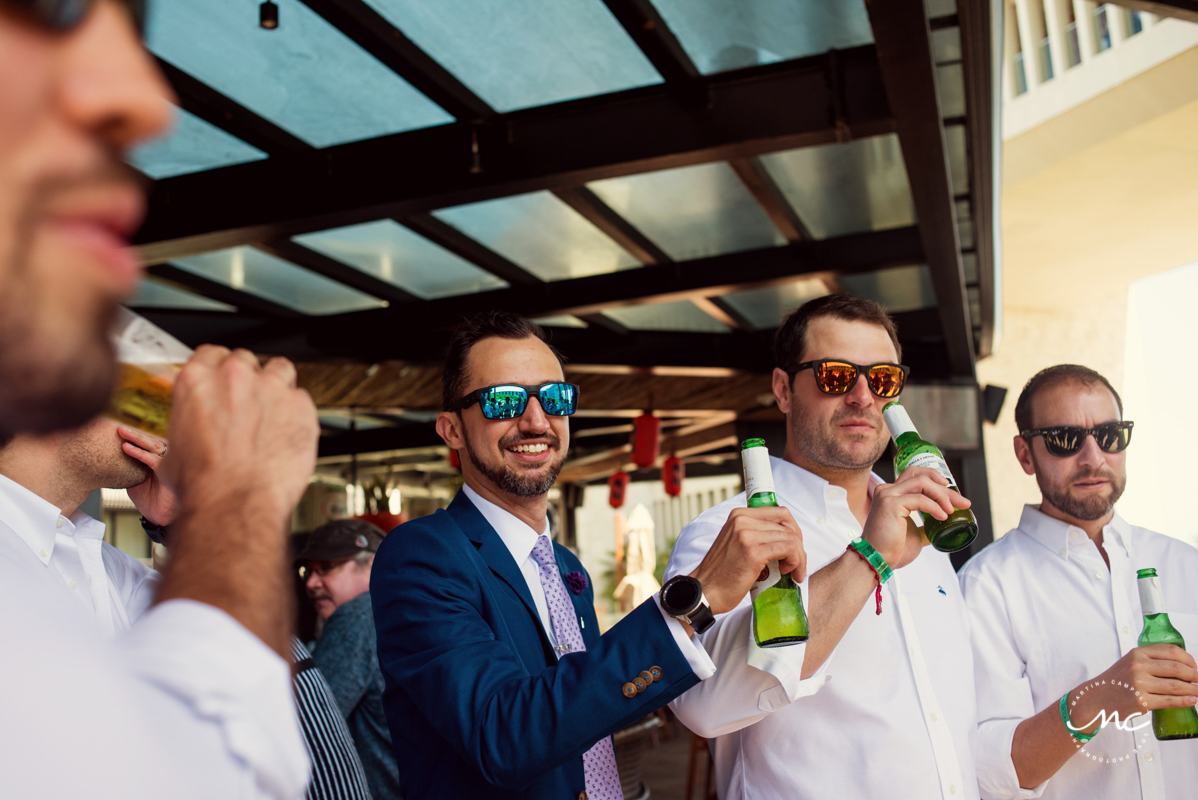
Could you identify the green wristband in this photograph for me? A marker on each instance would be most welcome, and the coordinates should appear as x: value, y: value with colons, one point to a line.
x: 1074, y: 732
x: 874, y: 558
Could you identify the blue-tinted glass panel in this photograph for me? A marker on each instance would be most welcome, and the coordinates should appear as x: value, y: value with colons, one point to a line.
x: 191, y: 146
x: 391, y: 252
x: 522, y: 53
x: 950, y: 87
x: 898, y: 289
x: 305, y: 76
x: 765, y: 308
x: 152, y: 293
x: 958, y: 162
x: 679, y: 316
x: 720, y: 35
x: 946, y: 45
x: 691, y: 212
x: 853, y: 187
x: 541, y: 234
x: 265, y: 275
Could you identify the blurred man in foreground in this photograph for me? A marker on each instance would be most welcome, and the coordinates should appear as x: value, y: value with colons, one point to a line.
x: 336, y: 561
x: 1057, y: 615
x: 195, y: 700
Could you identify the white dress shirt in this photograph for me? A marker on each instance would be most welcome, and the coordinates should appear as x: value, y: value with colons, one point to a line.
x: 895, y: 716
x: 184, y: 704
x: 520, y: 539
x: 1047, y: 616
x: 112, y: 587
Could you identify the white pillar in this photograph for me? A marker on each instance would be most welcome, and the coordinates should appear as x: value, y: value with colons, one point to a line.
x: 1055, y: 30
x: 1085, y: 29
x: 1031, y: 45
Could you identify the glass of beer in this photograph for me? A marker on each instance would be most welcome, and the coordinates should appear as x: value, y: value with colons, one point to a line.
x: 149, y: 359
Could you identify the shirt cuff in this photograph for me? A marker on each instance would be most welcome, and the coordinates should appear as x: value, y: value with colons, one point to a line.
x: 996, y: 769
x: 700, y: 663
x: 212, y: 664
x: 786, y: 664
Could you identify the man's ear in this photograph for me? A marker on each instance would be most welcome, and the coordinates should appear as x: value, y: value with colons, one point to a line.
x: 781, y: 387
x: 1023, y: 452
x: 449, y: 428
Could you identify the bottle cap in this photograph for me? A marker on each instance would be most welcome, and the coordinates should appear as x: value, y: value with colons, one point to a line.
x: 1150, y: 572
x: 747, y: 443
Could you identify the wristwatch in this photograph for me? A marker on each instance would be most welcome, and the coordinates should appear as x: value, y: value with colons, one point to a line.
x: 682, y: 598
x: 157, y: 533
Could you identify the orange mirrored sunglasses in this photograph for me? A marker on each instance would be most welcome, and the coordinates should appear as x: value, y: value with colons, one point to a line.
x: 834, y: 376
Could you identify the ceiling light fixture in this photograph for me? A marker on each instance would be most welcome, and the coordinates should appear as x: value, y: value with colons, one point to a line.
x: 268, y: 15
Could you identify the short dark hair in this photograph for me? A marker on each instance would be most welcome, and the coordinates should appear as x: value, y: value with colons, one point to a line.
x: 501, y: 324
x: 1055, y: 376
x: 791, y: 337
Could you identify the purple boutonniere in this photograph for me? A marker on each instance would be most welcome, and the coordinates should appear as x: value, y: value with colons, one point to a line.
x: 577, y: 582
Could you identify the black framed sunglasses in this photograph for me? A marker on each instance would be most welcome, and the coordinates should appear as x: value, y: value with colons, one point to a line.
x: 61, y: 16
x: 1067, y: 440
x: 508, y: 400
x: 834, y: 376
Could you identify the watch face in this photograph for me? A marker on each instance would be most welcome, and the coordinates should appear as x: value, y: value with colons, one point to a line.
x: 683, y: 596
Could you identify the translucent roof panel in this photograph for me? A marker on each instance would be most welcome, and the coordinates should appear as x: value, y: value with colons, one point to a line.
x: 691, y: 212
x: 191, y: 146
x: 765, y: 308
x: 837, y: 189
x: 958, y: 162
x: 720, y: 35
x: 305, y: 76
x: 391, y: 252
x: 152, y: 293
x: 682, y: 315
x: 541, y: 234
x: 262, y: 274
x: 560, y: 321
x: 522, y: 53
x: 898, y: 289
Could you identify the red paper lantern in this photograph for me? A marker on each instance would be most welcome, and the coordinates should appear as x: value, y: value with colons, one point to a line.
x: 672, y: 473
x: 646, y: 440
x: 616, y: 485
x: 454, y: 460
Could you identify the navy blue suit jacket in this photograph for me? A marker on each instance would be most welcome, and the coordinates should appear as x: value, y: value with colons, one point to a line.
x: 477, y: 703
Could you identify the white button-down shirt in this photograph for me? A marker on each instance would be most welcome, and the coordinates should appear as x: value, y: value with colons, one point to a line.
x: 112, y: 587
x: 896, y: 717
x: 520, y: 539
x: 186, y: 703
x: 1048, y: 616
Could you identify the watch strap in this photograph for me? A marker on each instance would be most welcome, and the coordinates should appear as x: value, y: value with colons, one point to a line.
x: 701, y: 618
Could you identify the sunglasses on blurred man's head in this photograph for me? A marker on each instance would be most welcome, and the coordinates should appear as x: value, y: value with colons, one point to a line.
x: 61, y: 16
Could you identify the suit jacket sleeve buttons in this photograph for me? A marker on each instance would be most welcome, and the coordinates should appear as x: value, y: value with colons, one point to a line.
x: 656, y: 673
x: 582, y: 796
x: 630, y: 690
x: 640, y: 683
x: 647, y: 677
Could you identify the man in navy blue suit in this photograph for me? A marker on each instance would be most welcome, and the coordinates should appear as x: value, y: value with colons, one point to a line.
x: 498, y: 684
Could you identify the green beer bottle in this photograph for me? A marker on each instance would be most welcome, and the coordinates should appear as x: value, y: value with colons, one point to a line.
x: 961, y: 528
x: 1167, y: 723
x: 778, y: 616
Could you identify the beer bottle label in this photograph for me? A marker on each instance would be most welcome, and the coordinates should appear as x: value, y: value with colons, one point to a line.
x: 768, y: 577
x: 758, y: 475
x: 1152, y: 597
x: 932, y: 461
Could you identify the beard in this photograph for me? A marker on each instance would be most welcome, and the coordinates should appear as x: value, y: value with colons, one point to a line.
x: 512, y: 481
x: 821, y: 444
x: 1083, y: 508
x: 57, y: 363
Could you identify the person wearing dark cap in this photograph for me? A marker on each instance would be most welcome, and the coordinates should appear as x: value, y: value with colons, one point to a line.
x: 336, y: 562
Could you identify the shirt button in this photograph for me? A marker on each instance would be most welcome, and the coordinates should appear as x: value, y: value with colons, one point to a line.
x: 1148, y: 757
x: 952, y: 788
x: 1098, y: 574
x: 59, y: 523
x: 1126, y: 629
x: 912, y: 649
x: 42, y: 553
x: 71, y: 583
x: 819, y: 520
x: 1075, y: 534
x: 1062, y: 551
x: 934, y: 718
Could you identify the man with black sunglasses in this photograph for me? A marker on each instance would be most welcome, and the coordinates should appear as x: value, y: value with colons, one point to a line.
x: 897, y: 719
x: 498, y: 683
x: 1056, y: 616
x: 195, y: 699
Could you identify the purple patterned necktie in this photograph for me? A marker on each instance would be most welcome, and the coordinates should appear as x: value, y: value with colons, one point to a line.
x: 598, y: 763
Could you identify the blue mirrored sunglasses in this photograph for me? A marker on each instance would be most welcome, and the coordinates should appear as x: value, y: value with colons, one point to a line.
x: 64, y: 15
x: 508, y: 400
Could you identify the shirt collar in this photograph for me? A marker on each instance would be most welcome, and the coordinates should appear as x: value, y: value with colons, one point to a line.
x: 515, y: 532
x: 1059, y: 536
x: 803, y: 489
x: 33, y: 519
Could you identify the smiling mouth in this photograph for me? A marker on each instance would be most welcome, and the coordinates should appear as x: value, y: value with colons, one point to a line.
x: 529, y: 449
